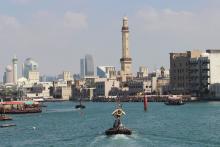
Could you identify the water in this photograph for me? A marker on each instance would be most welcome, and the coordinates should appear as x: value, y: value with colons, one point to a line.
x: 60, y: 125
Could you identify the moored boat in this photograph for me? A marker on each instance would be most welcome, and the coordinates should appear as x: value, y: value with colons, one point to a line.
x: 174, y: 100
x: 20, y: 107
x: 4, y: 118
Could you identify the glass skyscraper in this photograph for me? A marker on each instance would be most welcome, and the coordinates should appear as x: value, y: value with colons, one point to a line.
x: 89, y: 65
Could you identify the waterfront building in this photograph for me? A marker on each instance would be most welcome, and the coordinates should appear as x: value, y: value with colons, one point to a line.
x: 136, y: 87
x: 106, y: 72
x: 29, y: 66
x: 197, y: 73
x: 126, y: 61
x: 15, y: 69
x: 89, y: 65
x: 62, y: 90
x: 103, y: 86
x: 179, y: 71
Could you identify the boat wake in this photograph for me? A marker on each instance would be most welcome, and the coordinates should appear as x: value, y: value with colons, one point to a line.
x: 60, y: 110
x: 116, y: 140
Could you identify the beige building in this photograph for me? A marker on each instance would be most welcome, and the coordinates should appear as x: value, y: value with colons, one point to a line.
x: 33, y: 76
x: 67, y: 76
x: 104, y: 86
x: 179, y: 70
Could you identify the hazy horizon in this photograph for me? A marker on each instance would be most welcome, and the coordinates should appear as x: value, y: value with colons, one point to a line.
x: 57, y: 33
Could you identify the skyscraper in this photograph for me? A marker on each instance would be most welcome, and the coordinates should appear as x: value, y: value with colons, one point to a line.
x: 89, y: 65
x: 8, y: 75
x: 82, y: 68
x: 29, y: 66
x: 126, y: 72
x: 15, y: 69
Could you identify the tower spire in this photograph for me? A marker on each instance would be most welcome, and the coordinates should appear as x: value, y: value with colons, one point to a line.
x: 126, y: 60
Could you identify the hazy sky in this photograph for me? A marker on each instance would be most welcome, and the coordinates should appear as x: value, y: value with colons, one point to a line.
x: 57, y: 33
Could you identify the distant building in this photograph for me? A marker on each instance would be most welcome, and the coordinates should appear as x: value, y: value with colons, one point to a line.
x: 179, y: 71
x: 103, y: 87
x: 29, y: 66
x: 89, y: 65
x: 82, y: 68
x: 143, y: 72
x: 106, y: 72
x: 8, y: 75
x: 15, y: 69
x: 67, y: 76
x: 34, y: 76
x: 62, y: 90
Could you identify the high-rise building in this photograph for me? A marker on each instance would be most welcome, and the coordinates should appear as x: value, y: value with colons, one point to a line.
x: 29, y: 66
x: 89, y: 65
x: 82, y: 68
x: 8, y: 75
x: 15, y: 69
x: 126, y: 71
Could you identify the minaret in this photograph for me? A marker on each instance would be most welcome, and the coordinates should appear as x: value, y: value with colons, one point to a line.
x: 126, y: 60
x: 15, y: 69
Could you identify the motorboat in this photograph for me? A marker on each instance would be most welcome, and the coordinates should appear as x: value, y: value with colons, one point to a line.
x: 7, y: 125
x: 118, y: 128
x: 80, y: 106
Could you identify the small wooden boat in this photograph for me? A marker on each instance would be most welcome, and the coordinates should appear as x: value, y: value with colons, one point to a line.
x: 80, y: 106
x: 120, y: 130
x: 7, y: 125
x: 4, y: 118
x: 174, y: 100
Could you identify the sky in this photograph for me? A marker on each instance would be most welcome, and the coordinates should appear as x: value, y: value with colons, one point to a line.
x: 57, y: 33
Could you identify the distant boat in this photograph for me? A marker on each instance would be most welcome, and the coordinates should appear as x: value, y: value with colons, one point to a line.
x: 4, y: 117
x: 80, y: 106
x: 7, y: 125
x: 21, y: 107
x: 174, y: 100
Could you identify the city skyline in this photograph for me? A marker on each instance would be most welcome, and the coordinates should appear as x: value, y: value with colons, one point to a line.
x: 50, y: 34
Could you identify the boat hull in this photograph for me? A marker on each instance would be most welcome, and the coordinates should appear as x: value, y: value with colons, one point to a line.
x: 4, y: 118
x: 7, y: 125
x: 115, y: 131
x: 15, y: 111
x: 80, y: 107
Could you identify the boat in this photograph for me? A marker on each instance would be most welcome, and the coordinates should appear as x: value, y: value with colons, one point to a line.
x: 80, y: 105
x: 4, y: 118
x: 118, y: 127
x: 7, y: 125
x: 174, y: 100
x: 20, y: 107
x: 120, y: 130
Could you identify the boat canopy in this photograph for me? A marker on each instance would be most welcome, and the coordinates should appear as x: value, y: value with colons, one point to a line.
x: 12, y: 103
